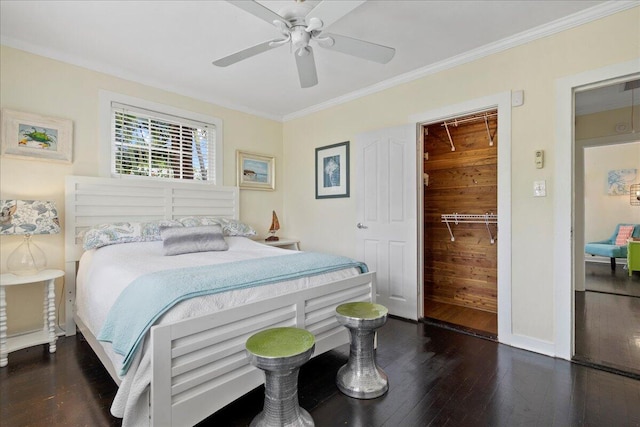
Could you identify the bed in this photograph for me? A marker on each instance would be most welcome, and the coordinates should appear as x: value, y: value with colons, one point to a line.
x: 191, y: 362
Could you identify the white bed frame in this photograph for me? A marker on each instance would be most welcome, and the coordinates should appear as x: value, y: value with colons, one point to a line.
x: 199, y: 364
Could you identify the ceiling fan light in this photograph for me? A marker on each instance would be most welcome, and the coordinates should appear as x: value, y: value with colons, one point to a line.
x: 300, y: 38
x: 314, y: 24
x: 325, y: 41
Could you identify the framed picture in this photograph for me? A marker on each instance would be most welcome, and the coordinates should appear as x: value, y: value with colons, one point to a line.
x: 332, y: 171
x: 620, y: 180
x: 256, y: 171
x: 27, y: 135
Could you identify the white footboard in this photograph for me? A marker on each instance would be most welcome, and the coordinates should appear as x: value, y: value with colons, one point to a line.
x: 199, y: 365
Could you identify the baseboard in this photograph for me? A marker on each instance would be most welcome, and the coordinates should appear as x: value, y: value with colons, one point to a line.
x: 535, y: 345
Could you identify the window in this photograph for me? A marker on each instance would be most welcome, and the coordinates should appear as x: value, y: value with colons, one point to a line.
x: 157, y: 141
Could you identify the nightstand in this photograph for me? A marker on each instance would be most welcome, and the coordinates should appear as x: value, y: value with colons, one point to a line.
x: 283, y: 243
x: 48, y: 333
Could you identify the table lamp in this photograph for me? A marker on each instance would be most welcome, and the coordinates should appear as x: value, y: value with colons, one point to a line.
x: 28, y: 217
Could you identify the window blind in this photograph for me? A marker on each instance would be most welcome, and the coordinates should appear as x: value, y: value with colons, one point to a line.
x: 154, y: 144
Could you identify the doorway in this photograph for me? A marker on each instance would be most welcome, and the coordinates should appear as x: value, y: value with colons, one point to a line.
x: 606, y: 297
x: 460, y: 192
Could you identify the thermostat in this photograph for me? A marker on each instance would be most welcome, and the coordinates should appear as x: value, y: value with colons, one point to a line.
x: 539, y: 159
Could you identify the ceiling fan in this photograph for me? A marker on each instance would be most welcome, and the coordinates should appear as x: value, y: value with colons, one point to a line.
x: 301, y: 24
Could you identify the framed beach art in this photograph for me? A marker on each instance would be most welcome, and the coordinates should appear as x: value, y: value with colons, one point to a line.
x: 256, y: 171
x: 620, y: 180
x: 27, y: 135
x: 332, y: 171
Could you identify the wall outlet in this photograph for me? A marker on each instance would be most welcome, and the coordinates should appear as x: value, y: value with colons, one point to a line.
x: 539, y: 188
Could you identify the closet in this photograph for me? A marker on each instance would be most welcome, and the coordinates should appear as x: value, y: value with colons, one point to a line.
x: 460, y: 222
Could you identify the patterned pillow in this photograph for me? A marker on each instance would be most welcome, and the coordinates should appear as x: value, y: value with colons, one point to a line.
x: 624, y: 232
x: 125, y: 232
x: 230, y: 227
x: 195, y: 221
x: 184, y: 240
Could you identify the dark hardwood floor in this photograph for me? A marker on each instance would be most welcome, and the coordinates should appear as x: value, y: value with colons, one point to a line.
x: 600, y: 278
x: 474, y: 321
x: 438, y: 377
x: 608, y: 319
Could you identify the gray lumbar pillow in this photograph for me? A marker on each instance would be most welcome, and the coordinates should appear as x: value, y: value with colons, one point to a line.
x: 184, y: 240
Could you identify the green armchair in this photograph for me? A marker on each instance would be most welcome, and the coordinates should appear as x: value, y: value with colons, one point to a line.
x: 633, y: 256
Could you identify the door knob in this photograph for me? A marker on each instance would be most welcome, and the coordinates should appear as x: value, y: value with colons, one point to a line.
x: 361, y: 225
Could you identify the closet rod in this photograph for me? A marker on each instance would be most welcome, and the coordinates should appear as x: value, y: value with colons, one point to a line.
x: 455, y: 122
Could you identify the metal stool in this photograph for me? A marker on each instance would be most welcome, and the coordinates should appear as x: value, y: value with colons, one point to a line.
x: 361, y: 377
x: 280, y: 352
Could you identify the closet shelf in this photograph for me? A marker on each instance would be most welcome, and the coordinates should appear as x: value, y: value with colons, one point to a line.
x: 456, y: 218
x: 455, y: 122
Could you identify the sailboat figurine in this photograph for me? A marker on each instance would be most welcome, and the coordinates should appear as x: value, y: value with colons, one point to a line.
x: 275, y: 226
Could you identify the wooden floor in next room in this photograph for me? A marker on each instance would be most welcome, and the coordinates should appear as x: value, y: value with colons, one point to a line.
x: 608, y: 319
x: 437, y: 377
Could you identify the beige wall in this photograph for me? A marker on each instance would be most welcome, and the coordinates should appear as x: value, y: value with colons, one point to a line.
x: 603, y: 125
x: 35, y: 84
x: 602, y: 211
x: 607, y: 148
x: 38, y: 85
x: 329, y: 225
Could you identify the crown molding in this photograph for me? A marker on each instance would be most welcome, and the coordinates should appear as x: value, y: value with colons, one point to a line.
x: 571, y: 21
x: 128, y: 75
x: 559, y: 25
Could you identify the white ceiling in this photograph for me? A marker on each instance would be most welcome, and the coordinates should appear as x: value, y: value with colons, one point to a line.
x: 171, y: 44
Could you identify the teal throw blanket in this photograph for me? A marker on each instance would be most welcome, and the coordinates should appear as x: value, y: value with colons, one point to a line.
x: 148, y: 297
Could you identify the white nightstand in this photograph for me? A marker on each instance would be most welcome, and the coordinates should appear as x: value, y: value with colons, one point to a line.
x: 283, y: 243
x: 48, y: 333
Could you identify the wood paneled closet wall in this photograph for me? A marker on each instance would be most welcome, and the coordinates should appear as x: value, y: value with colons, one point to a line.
x: 461, y: 273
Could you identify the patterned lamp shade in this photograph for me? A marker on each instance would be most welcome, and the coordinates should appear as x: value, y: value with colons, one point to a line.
x: 28, y: 217
x: 634, y: 194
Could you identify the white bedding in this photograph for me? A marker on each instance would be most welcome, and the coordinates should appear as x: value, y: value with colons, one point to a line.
x: 103, y: 274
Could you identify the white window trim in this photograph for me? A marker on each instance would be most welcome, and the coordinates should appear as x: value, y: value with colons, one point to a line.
x: 105, y: 100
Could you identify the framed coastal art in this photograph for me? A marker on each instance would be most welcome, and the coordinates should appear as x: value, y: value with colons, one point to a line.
x: 255, y: 171
x: 620, y: 180
x: 332, y: 171
x: 27, y: 135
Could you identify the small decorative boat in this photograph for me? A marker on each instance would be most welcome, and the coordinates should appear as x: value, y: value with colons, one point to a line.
x: 275, y: 226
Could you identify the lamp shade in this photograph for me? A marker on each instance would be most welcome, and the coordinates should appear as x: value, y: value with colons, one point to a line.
x: 28, y: 217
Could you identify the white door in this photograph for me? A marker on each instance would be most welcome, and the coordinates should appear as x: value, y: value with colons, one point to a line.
x: 386, y: 180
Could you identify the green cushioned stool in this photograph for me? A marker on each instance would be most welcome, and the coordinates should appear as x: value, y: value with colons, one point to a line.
x: 280, y: 352
x: 361, y: 377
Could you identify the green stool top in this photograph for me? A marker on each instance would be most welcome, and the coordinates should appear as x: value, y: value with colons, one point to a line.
x: 362, y: 310
x: 280, y: 342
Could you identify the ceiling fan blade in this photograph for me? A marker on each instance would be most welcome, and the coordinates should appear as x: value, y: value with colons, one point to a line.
x: 259, y: 11
x: 307, y: 68
x: 246, y: 53
x: 360, y: 48
x: 330, y: 11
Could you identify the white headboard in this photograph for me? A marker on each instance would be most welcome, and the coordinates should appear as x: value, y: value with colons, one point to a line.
x: 91, y: 200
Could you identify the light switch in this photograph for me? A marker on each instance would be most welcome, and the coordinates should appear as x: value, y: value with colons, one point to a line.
x: 539, y: 188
